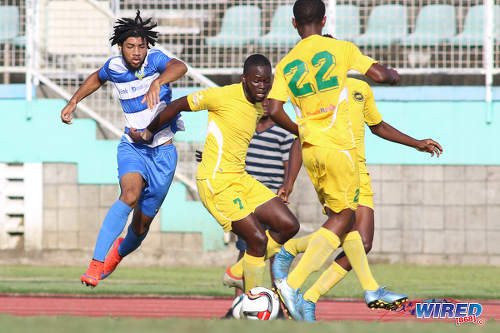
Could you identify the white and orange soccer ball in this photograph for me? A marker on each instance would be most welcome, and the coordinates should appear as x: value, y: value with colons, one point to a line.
x: 259, y: 304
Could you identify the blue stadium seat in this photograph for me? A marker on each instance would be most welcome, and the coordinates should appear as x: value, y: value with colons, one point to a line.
x: 9, y: 24
x: 387, y: 24
x: 473, y: 31
x: 435, y: 24
x: 347, y: 23
x: 241, y: 25
x: 282, y: 33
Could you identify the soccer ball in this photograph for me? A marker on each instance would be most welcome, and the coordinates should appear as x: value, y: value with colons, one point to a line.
x: 260, y: 304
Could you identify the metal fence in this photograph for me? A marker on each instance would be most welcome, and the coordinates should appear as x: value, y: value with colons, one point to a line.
x: 62, y: 41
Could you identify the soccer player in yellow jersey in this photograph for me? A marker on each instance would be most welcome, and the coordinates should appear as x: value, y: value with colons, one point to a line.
x: 362, y: 109
x: 235, y: 199
x: 313, y: 76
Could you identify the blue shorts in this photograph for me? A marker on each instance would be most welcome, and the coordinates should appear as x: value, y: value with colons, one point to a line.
x: 157, y: 167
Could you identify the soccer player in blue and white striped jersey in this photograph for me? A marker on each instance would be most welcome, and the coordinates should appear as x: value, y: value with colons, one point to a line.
x: 141, y: 77
x: 267, y: 156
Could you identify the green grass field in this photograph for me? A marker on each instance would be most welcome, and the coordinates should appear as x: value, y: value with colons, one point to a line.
x: 130, y: 325
x: 477, y: 282
x: 416, y: 281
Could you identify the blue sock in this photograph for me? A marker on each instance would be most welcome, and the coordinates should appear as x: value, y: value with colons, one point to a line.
x: 131, y: 242
x: 111, y: 228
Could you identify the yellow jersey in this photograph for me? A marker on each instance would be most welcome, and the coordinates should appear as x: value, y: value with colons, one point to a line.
x: 362, y: 109
x: 231, y: 124
x: 313, y: 75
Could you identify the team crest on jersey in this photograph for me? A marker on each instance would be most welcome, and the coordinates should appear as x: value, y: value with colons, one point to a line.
x: 139, y: 74
x: 358, y: 97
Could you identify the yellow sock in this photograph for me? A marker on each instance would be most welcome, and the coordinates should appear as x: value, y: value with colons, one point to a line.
x: 355, y: 252
x: 273, y: 246
x: 320, y: 247
x: 295, y: 246
x: 237, y: 269
x: 253, y: 270
x: 330, y: 277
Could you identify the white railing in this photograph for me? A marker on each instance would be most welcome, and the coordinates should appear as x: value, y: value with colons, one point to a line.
x: 60, y: 42
x: 214, y: 36
x: 65, y: 40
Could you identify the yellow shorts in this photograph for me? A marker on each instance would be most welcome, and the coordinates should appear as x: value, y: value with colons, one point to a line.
x: 335, y: 176
x: 365, y: 190
x: 231, y: 197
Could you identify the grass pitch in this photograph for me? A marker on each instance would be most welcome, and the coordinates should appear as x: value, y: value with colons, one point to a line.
x: 469, y: 282
x: 131, y: 325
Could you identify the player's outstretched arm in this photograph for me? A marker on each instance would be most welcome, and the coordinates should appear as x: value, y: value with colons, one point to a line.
x: 294, y: 164
x: 382, y: 74
x: 174, y: 70
x: 169, y: 113
x: 279, y: 116
x: 91, y: 84
x: 386, y: 131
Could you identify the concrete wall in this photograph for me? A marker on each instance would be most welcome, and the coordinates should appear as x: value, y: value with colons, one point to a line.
x: 72, y: 216
x: 440, y: 214
x: 428, y: 211
x: 423, y: 214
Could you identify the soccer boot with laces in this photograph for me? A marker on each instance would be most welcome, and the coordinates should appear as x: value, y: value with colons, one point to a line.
x: 91, y: 276
x: 306, y: 308
x: 112, y: 259
x: 281, y: 264
x: 231, y: 281
x: 384, y: 299
x: 289, y: 298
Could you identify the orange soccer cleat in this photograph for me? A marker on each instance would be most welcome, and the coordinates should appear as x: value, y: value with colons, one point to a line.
x: 91, y: 276
x: 112, y: 259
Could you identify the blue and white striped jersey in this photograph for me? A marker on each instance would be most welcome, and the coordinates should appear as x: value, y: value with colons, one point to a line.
x: 266, y: 153
x: 131, y: 87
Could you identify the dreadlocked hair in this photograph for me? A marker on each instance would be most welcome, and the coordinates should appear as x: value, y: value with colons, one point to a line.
x: 127, y: 27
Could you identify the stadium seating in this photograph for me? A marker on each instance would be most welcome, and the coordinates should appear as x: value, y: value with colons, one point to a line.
x: 473, y: 31
x: 81, y: 34
x: 435, y: 24
x: 241, y: 25
x: 387, y: 24
x: 9, y: 35
x: 347, y: 22
x: 282, y: 33
x: 9, y: 24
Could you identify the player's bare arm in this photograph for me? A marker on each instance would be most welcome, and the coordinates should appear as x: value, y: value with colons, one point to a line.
x: 91, y: 84
x: 279, y: 116
x: 294, y: 164
x: 382, y: 74
x: 174, y: 70
x: 281, y: 190
x: 386, y: 131
x: 172, y: 110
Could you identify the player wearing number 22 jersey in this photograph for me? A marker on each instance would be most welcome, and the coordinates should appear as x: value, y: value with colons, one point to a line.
x: 313, y: 75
